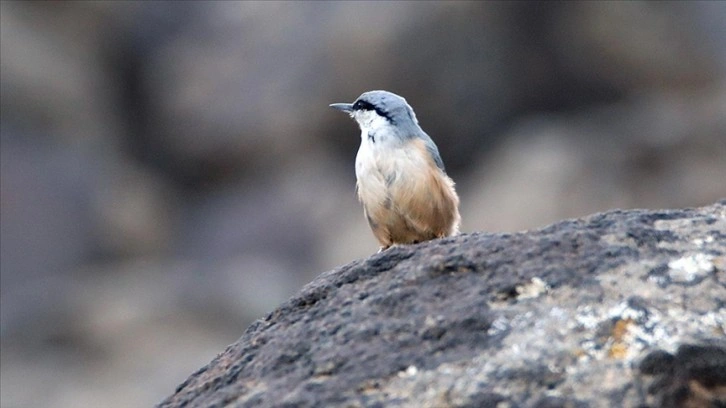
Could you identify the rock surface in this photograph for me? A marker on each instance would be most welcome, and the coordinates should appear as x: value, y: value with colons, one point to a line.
x: 624, y: 308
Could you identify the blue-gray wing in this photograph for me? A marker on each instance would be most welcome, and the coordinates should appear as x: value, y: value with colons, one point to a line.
x: 434, y: 152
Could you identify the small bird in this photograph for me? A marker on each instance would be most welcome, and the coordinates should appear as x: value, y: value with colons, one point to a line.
x: 401, y: 181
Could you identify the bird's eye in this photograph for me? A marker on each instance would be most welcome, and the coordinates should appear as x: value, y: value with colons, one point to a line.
x: 362, y: 105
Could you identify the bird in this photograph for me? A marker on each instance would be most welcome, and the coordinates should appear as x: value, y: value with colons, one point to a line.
x: 401, y: 181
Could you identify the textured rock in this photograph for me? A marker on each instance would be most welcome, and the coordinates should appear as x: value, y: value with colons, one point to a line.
x: 562, y: 316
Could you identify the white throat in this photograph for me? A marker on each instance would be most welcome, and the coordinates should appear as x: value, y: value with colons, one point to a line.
x: 374, y: 128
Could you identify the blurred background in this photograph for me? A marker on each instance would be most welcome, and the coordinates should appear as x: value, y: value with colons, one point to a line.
x: 171, y: 171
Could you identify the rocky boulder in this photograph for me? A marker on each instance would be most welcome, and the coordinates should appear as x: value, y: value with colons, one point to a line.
x: 624, y: 308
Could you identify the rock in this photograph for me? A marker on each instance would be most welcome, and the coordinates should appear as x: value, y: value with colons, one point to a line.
x: 694, y: 377
x: 623, y: 308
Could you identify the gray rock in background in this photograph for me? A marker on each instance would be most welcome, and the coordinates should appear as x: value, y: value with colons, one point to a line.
x: 169, y: 170
x: 561, y: 316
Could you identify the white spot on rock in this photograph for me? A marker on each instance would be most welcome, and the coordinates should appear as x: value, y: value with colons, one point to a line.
x: 690, y: 268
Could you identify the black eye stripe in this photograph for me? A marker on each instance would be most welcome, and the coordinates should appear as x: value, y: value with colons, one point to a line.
x: 363, y: 105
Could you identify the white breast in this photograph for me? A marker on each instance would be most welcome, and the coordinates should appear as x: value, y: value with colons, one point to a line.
x: 376, y: 145
x: 384, y: 164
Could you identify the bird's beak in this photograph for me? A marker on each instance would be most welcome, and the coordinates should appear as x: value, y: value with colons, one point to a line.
x: 345, y: 107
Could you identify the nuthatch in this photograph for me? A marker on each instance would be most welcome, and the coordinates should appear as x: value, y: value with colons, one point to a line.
x: 407, y: 196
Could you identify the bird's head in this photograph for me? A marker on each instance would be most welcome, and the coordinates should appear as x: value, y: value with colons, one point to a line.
x: 376, y: 109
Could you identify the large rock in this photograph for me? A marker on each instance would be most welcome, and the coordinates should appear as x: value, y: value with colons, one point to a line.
x: 624, y: 308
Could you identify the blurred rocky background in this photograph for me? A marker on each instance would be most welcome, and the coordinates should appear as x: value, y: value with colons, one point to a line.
x: 169, y: 170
